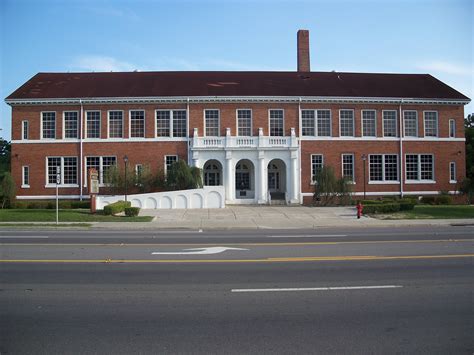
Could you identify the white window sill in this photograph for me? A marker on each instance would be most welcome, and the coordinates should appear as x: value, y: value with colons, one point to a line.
x: 388, y: 182
x: 453, y: 181
x: 52, y: 186
x: 25, y: 186
x: 415, y: 182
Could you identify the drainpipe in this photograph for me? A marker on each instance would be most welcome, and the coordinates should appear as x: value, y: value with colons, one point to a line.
x: 299, y: 150
x: 187, y: 131
x: 81, y: 175
x: 401, y: 133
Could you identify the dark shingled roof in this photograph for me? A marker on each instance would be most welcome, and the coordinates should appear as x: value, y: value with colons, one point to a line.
x: 155, y: 84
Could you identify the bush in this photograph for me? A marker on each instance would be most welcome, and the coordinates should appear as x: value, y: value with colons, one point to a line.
x: 371, y: 202
x: 7, y: 190
x: 382, y: 208
x: 406, y: 206
x: 116, y: 207
x: 328, y: 189
x: 50, y: 204
x: 81, y: 204
x: 428, y: 200
x: 132, y: 211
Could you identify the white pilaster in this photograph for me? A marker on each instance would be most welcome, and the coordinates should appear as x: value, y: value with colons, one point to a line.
x: 229, y: 180
x: 294, y: 177
x: 261, y: 178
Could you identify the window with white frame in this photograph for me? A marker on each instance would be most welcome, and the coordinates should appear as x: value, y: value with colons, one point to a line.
x: 307, y: 123
x: 48, y: 129
x: 171, y: 123
x: 25, y: 176
x: 346, y: 123
x: 101, y: 164
x: 25, y: 130
x: 324, y: 123
x: 244, y: 122
x: 348, y: 167
x: 390, y: 123
x: 316, y: 165
x: 431, y: 123
x: 369, y: 128
x: 93, y: 124
x: 383, y: 167
x: 71, y: 124
x: 169, y: 161
x: 65, y: 166
x: 138, y: 170
x: 276, y: 123
x: 410, y: 123
x: 452, y: 128
x: 115, y: 124
x: 211, y: 121
x: 452, y: 172
x: 137, y: 124
x: 419, y: 167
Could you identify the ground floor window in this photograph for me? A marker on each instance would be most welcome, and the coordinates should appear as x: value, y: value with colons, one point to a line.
x: 25, y: 181
x: 383, y: 167
x: 419, y: 167
x: 101, y: 164
x: 452, y: 172
x: 170, y: 160
x: 242, y: 177
x: 316, y: 165
x: 348, y: 167
x: 66, y: 167
x: 212, y: 174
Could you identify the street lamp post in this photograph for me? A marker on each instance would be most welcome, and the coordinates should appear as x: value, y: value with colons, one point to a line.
x: 364, y: 159
x: 125, y: 160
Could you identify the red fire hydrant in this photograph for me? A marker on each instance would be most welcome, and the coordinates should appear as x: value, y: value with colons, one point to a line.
x: 359, y: 209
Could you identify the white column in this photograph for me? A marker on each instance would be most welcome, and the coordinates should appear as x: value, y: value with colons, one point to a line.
x: 261, y: 178
x: 294, y: 177
x: 229, y: 177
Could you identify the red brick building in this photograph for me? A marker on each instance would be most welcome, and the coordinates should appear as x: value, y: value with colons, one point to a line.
x: 260, y: 134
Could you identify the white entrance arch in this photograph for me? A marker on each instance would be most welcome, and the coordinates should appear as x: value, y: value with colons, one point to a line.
x: 244, y: 180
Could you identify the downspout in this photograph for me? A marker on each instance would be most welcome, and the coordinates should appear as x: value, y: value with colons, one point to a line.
x: 299, y: 150
x: 81, y: 177
x: 187, y: 131
x: 401, y: 133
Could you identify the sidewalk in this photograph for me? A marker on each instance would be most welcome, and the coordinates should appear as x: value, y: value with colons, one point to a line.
x: 266, y: 217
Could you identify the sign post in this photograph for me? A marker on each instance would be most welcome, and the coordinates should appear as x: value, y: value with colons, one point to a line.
x: 93, y: 187
x: 58, y: 181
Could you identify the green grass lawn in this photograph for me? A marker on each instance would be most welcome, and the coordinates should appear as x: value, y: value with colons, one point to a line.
x: 30, y: 215
x: 434, y: 212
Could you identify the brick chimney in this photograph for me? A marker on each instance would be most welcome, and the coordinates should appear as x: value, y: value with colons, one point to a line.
x: 303, y: 51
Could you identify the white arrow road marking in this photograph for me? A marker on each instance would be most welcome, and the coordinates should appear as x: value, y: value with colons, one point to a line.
x: 195, y: 251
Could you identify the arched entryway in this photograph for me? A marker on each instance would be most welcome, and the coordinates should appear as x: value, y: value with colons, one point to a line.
x: 212, y: 173
x: 276, y: 180
x: 244, y: 179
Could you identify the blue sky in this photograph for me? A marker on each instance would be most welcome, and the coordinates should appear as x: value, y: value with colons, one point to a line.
x: 403, y: 36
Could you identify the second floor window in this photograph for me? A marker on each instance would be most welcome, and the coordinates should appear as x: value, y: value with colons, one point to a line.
x: 307, y: 123
x: 276, y: 123
x: 452, y: 128
x: 211, y: 118
x: 171, y: 123
x: 390, y: 124
x: 410, y: 123
x: 244, y: 122
x: 25, y: 130
x: 48, y: 128
x: 431, y: 123
x: 137, y: 124
x: 71, y: 124
x: 115, y: 124
x: 346, y: 123
x: 369, y: 128
x: 93, y: 124
x: 316, y: 123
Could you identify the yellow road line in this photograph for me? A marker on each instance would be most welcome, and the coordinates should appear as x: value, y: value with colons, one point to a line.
x: 268, y: 260
x: 240, y: 244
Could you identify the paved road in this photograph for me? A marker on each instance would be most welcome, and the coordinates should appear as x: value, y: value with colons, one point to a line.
x: 346, y: 305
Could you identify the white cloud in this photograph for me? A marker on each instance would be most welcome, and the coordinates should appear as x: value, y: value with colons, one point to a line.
x: 101, y: 63
x: 447, y: 68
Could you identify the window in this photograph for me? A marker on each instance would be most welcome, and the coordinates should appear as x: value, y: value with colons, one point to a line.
x: 101, y: 164
x: 24, y: 130
x: 170, y: 160
x: 171, y: 123
x: 138, y: 170
x: 452, y: 172
x: 383, y: 167
x: 25, y: 179
x: 346, y: 123
x: 410, y: 123
x: 115, y: 124
x: 431, y: 123
x: 348, y: 167
x: 48, y: 120
x: 369, y: 123
x: 242, y: 177
x: 137, y: 124
x: 307, y: 123
x: 71, y: 124
x: 276, y: 123
x: 212, y: 174
x: 316, y: 165
x: 324, y: 123
x: 244, y: 122
x: 419, y: 167
x: 65, y: 166
x: 390, y: 124
x: 452, y: 128
x: 211, y: 122
x: 93, y: 124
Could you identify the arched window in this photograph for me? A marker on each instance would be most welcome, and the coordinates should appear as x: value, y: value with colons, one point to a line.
x: 212, y: 174
x: 242, y: 177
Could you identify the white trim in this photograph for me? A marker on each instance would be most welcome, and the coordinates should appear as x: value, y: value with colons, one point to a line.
x: 419, y: 182
x: 218, y: 121
x: 130, y: 123
x: 23, y: 185
x: 237, y: 121
x: 390, y: 193
x: 353, y: 122
x: 50, y: 197
x: 52, y: 186
x: 64, y: 127
x: 424, y: 124
x: 397, y: 129
x: 86, y: 126
x: 383, y: 139
x: 386, y: 182
x: 268, y: 117
x: 362, y: 123
x: 237, y: 99
x: 108, y: 140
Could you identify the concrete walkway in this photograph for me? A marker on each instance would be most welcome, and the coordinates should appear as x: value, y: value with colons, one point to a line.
x: 266, y: 217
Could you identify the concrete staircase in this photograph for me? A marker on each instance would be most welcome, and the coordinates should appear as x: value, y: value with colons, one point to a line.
x: 277, y: 199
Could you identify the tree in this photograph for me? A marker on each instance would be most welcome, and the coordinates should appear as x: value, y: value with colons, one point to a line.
x: 7, y: 190
x: 182, y: 177
x: 469, y: 133
x: 5, y: 153
x: 328, y: 189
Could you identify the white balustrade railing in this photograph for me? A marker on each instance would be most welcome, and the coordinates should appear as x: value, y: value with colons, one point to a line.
x: 244, y: 142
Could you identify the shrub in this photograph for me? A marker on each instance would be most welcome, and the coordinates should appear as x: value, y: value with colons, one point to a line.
x: 443, y: 200
x: 382, y: 208
x: 180, y: 176
x: 406, y: 205
x: 429, y: 200
x: 371, y: 202
x: 81, y: 204
x: 328, y: 189
x: 7, y: 190
x: 132, y: 211
x: 116, y: 207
